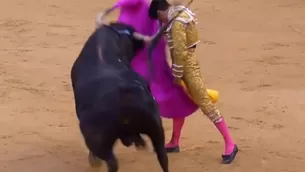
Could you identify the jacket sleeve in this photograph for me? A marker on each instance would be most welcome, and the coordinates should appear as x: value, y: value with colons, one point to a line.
x: 178, y: 47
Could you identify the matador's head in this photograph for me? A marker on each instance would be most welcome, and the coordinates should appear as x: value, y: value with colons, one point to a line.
x: 159, y: 10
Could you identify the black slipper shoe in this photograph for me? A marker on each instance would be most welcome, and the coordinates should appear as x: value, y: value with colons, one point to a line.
x: 175, y: 149
x: 227, y: 159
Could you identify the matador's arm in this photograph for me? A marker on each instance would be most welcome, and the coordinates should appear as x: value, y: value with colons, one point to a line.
x: 178, y: 48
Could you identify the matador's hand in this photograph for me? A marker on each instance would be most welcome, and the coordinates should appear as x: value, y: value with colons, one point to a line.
x: 177, y: 81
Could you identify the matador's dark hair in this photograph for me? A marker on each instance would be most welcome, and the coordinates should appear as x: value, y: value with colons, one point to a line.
x: 155, y: 6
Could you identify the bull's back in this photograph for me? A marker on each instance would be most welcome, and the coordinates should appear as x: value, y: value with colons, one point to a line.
x: 87, y: 62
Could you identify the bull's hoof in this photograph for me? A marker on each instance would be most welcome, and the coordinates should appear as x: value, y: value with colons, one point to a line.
x: 94, y: 161
x: 175, y: 149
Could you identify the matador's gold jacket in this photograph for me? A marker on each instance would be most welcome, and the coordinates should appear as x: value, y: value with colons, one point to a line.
x: 181, y: 36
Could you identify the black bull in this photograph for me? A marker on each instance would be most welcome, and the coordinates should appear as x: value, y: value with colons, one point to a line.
x: 111, y: 100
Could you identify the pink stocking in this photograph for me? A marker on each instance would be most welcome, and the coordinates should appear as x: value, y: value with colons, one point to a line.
x: 177, y: 127
x: 224, y: 130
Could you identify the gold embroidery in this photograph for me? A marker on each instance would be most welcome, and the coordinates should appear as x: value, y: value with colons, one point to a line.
x: 181, y: 35
x: 195, y: 84
x: 177, y: 43
x: 189, y: 25
x: 192, y: 35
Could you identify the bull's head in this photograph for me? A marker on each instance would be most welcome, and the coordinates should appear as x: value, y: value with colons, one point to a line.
x: 127, y: 40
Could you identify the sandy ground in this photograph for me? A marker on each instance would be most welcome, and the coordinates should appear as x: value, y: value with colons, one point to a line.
x: 253, y: 52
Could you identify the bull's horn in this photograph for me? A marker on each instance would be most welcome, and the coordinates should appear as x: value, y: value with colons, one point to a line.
x: 100, y: 18
x: 141, y: 37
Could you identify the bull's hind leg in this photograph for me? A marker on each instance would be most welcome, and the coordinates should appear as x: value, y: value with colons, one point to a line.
x: 110, y: 159
x: 106, y: 153
x: 156, y: 134
x: 94, y: 161
x: 112, y: 163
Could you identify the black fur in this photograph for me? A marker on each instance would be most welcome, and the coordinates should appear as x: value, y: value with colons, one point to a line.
x: 111, y: 100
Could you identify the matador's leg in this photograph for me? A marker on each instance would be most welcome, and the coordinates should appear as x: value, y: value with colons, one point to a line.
x: 195, y: 84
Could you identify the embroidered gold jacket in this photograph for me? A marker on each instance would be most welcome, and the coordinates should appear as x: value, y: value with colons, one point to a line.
x: 181, y: 35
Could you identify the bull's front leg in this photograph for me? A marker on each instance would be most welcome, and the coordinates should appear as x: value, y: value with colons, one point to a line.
x: 160, y: 150
x: 156, y: 134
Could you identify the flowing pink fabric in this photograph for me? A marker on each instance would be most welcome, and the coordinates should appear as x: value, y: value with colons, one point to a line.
x: 172, y: 99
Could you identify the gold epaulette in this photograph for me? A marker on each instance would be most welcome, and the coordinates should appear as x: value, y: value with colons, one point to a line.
x: 185, y: 17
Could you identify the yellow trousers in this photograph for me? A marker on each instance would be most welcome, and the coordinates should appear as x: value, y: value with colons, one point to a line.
x: 194, y: 82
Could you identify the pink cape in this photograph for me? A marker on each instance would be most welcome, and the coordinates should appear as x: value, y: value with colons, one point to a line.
x: 172, y: 99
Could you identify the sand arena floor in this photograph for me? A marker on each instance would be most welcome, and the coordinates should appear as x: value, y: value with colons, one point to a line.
x: 253, y: 52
